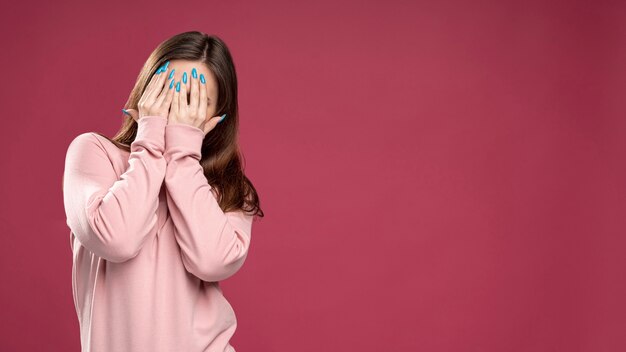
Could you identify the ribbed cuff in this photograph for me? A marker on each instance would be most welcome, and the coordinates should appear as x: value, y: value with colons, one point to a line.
x: 151, y: 132
x: 183, y: 140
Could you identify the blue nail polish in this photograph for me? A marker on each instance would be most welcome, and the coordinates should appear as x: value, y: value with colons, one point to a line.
x: 167, y: 63
x: 158, y: 71
x: 178, y: 86
x: 223, y: 117
x: 171, y: 75
x: 202, y: 78
x: 171, y: 84
x: 194, y: 73
x: 185, y: 77
x: 125, y: 112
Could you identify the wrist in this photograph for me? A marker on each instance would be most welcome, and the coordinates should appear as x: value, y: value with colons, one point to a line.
x: 183, y: 140
x: 151, y: 132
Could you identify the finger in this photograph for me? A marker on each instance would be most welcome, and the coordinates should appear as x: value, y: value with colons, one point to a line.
x: 203, y: 102
x: 148, y: 88
x: 170, y: 95
x: 155, y: 77
x: 209, y: 125
x: 161, y: 98
x: 132, y: 113
x: 175, y: 100
x: 165, y: 98
x: 185, y: 82
x: 157, y: 89
x: 182, y: 103
x: 193, y: 97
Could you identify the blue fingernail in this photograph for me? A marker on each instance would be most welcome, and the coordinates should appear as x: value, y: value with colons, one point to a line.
x: 125, y: 112
x: 171, y: 84
x: 178, y: 86
x: 194, y: 73
x: 185, y: 77
x: 223, y: 117
x: 167, y: 63
x: 202, y: 78
x: 171, y: 75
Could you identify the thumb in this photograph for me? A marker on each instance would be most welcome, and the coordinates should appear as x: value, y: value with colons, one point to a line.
x: 212, y: 122
x: 131, y: 112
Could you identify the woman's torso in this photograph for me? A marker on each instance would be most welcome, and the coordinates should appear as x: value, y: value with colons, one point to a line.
x: 150, y: 302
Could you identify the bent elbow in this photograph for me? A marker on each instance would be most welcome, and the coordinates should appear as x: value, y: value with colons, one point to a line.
x: 121, y: 251
x: 112, y: 243
x: 222, y: 262
x: 120, y: 240
x: 115, y: 249
x: 212, y: 270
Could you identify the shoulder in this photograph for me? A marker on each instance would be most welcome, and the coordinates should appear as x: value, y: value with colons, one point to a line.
x: 88, y: 145
x: 86, y: 141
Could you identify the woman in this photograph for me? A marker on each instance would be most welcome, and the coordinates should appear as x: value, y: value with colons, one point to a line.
x: 162, y: 212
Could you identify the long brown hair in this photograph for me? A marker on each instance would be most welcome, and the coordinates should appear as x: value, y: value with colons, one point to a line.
x: 221, y: 157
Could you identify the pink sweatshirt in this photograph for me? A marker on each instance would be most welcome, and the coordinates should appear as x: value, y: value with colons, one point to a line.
x: 148, y: 255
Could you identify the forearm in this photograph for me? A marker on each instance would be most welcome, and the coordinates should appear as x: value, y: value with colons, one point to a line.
x: 214, y: 244
x: 112, y: 216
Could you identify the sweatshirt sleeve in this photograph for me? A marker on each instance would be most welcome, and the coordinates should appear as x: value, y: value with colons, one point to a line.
x: 214, y: 244
x: 112, y: 216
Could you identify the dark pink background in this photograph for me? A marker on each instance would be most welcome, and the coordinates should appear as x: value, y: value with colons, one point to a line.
x: 436, y: 176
